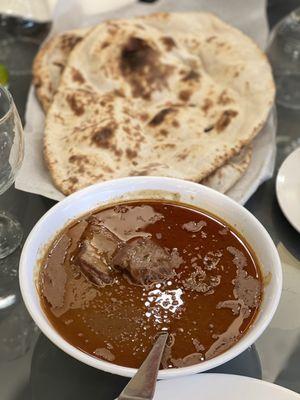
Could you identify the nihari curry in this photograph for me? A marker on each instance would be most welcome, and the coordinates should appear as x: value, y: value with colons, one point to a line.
x: 115, y: 278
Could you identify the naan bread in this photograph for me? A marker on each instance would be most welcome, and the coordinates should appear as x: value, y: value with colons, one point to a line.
x: 168, y: 94
x: 50, y: 62
x: 223, y: 178
x: 49, y: 74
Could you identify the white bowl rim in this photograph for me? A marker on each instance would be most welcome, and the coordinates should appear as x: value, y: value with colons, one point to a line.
x: 41, y: 320
x: 280, y: 187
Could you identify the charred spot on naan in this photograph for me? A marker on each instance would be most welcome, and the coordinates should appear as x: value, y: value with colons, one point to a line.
x: 207, y: 104
x: 222, y: 122
x: 75, y: 104
x: 210, y: 39
x: 69, y: 41
x: 106, y: 168
x: 184, y: 95
x: 102, y: 137
x: 168, y: 42
x: 163, y: 132
x: 144, y: 116
x: 77, y: 76
x: 147, y: 169
x: 139, y: 172
x: 224, y: 98
x: 73, y: 179
x: 225, y: 119
x: 79, y: 101
x: 160, y: 116
x: 78, y: 164
x: 208, y: 128
x: 136, y: 55
x: 164, y: 146
x: 131, y: 153
x: 141, y: 66
x: 78, y: 159
x: 37, y: 81
x: 182, y: 156
x: 104, y: 45
x: 117, y: 152
x: 119, y: 93
x: 191, y: 76
x: 59, y: 65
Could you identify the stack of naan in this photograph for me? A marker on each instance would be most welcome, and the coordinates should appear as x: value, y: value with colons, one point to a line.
x: 170, y: 94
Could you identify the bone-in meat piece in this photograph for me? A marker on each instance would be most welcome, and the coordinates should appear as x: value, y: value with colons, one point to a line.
x: 146, y: 262
x: 95, y: 255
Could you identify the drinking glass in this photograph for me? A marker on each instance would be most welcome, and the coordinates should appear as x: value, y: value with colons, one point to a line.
x: 11, y: 156
x: 23, y: 24
x: 284, y: 54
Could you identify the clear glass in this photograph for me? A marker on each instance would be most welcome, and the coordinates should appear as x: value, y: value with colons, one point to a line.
x: 22, y: 22
x: 37, y: 10
x: 284, y: 54
x: 11, y: 156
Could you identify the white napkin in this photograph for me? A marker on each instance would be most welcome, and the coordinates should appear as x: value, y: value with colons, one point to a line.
x: 249, y: 16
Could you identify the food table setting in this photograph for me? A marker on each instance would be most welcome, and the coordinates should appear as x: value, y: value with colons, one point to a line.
x: 150, y: 128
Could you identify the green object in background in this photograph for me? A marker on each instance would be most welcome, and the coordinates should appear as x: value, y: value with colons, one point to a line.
x: 3, y: 75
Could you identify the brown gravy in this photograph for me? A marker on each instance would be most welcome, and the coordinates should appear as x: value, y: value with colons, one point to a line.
x: 207, y: 301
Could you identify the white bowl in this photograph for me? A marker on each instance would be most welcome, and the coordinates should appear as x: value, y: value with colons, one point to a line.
x: 162, y: 188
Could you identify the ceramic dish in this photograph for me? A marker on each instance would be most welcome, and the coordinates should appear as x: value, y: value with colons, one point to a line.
x: 221, y: 386
x: 152, y: 188
x: 288, y: 188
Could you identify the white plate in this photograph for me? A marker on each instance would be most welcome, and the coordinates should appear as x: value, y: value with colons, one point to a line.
x: 288, y: 188
x: 221, y: 387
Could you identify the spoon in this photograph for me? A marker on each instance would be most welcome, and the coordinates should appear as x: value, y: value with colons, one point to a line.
x: 142, y: 385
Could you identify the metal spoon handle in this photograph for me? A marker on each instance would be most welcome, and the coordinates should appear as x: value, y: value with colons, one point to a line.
x: 142, y: 385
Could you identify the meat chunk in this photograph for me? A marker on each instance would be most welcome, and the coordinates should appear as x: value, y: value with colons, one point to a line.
x: 95, y: 255
x: 146, y: 262
x: 102, y: 255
